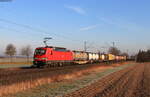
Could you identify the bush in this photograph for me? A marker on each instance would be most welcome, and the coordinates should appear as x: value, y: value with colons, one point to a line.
x: 143, y: 56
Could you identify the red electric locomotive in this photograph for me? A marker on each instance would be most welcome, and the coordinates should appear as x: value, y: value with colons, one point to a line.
x: 52, y: 56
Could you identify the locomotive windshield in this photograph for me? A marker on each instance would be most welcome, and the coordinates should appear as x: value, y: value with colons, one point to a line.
x: 40, y: 51
x: 60, y: 49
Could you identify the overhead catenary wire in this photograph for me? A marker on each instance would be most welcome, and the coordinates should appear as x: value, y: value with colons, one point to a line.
x: 18, y: 31
x: 34, y: 29
x: 14, y: 30
x: 37, y: 29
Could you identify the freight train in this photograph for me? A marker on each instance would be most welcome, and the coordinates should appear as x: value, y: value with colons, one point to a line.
x: 57, y: 56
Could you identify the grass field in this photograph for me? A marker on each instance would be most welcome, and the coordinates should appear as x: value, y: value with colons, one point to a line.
x: 15, y: 62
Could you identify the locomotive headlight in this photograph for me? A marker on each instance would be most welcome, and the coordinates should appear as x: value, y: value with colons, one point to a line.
x: 41, y: 58
x: 44, y: 58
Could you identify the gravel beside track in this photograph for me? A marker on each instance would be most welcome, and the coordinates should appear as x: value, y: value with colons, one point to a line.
x: 133, y: 81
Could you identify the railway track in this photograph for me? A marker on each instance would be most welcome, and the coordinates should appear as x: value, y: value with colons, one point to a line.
x: 130, y: 82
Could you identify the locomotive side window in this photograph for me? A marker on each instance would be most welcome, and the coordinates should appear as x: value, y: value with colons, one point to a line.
x: 40, y: 52
x: 61, y: 49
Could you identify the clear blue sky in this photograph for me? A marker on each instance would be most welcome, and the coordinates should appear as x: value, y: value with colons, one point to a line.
x: 71, y: 22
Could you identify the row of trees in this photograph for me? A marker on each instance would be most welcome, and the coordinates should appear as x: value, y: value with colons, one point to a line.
x: 116, y: 51
x: 143, y: 56
x: 25, y: 51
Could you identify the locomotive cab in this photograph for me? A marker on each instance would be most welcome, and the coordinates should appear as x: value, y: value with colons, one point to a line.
x: 40, y: 56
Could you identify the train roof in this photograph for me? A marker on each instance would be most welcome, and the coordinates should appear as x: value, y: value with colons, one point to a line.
x: 77, y: 51
x: 52, y: 47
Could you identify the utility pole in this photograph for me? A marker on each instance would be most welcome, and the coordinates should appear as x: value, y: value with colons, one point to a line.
x: 113, y: 44
x: 85, y: 48
x: 128, y: 52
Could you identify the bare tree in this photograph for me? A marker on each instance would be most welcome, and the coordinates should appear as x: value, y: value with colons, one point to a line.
x: 10, y: 50
x: 114, y: 50
x: 26, y: 51
x: 125, y: 54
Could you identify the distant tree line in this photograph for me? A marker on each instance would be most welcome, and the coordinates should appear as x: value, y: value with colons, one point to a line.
x: 11, y: 51
x: 116, y: 51
x: 143, y: 56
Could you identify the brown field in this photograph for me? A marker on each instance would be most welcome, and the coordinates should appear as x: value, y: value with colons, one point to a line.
x: 130, y: 82
x: 15, y: 80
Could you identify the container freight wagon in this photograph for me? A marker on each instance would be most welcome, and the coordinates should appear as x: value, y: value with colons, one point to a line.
x: 125, y: 58
x: 80, y: 57
x: 120, y: 58
x: 52, y: 56
x: 103, y: 58
x: 93, y: 57
x: 111, y: 57
x: 117, y: 58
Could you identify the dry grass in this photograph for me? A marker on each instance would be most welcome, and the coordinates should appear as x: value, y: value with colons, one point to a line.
x: 17, y: 87
x: 57, y: 89
x: 14, y: 88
